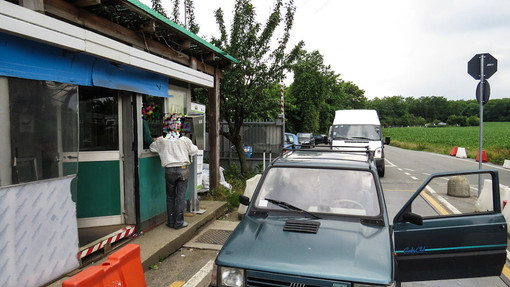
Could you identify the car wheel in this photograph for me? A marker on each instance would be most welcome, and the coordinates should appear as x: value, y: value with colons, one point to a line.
x: 381, y: 170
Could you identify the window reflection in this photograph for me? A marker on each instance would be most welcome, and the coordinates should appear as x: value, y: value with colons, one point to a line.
x: 99, y: 126
x: 43, y: 125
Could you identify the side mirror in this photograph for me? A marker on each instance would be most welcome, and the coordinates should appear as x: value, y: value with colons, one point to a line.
x: 413, y: 218
x: 387, y: 140
x: 244, y: 200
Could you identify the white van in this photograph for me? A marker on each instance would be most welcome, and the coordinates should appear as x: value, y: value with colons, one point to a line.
x: 359, y: 128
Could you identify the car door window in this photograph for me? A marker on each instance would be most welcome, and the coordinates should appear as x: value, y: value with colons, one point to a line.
x: 455, y: 195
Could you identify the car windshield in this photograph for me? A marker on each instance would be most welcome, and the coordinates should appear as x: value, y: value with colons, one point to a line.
x: 330, y: 191
x: 350, y: 132
x: 289, y: 139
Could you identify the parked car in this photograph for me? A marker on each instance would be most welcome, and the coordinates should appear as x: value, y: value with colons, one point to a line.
x: 319, y: 218
x: 321, y: 139
x: 306, y: 140
x: 291, y: 141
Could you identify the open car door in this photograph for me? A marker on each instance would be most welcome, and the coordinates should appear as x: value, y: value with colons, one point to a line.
x: 452, y: 227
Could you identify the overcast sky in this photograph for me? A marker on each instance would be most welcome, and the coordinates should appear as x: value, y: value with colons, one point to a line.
x: 387, y: 48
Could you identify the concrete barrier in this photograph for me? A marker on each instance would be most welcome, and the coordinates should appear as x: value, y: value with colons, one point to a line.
x: 506, y: 164
x: 461, y: 153
x: 458, y: 186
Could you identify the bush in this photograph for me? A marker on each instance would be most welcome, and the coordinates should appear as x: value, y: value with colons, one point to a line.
x: 473, y: 121
x: 232, y: 174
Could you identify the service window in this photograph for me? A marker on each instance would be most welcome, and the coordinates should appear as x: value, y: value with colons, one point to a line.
x: 152, y: 118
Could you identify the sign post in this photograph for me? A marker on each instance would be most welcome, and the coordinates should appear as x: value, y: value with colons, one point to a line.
x: 482, y: 67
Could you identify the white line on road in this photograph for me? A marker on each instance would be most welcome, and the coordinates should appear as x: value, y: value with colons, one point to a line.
x: 414, y: 177
x: 390, y: 163
x: 443, y: 201
x: 198, y: 278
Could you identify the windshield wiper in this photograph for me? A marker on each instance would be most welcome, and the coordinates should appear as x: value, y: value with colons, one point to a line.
x: 288, y: 206
x: 362, y: 138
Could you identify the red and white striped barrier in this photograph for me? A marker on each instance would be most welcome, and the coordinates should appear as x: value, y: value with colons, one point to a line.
x: 116, y: 236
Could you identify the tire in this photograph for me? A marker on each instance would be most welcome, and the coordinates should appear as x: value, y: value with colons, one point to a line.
x: 381, y: 170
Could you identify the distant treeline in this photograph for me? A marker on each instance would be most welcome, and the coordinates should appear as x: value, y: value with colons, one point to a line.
x: 400, y: 111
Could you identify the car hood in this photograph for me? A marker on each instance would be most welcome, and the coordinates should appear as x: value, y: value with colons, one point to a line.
x: 340, y: 250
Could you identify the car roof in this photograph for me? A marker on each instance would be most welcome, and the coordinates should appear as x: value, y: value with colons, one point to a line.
x: 349, y: 159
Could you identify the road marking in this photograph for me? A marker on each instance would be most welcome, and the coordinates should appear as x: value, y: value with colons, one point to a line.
x: 406, y: 173
x: 506, y: 271
x: 414, y: 177
x: 436, y: 205
x: 443, y: 201
x: 177, y: 284
x: 200, y: 275
x: 391, y: 164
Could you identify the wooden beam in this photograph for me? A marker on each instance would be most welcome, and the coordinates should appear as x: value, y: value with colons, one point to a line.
x: 87, y: 3
x: 213, y: 118
x: 184, y: 45
x: 80, y: 17
x: 36, y: 5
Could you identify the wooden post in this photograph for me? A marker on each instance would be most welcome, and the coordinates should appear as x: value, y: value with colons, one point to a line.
x: 213, y: 116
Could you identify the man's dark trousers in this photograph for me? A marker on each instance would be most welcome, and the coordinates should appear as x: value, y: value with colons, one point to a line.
x: 176, y: 179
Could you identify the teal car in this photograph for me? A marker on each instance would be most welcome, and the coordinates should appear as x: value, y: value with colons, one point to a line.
x: 319, y: 218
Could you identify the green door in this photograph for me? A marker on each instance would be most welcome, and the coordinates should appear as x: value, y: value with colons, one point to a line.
x: 98, y: 186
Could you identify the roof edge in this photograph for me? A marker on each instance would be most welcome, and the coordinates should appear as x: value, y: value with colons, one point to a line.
x: 183, y: 30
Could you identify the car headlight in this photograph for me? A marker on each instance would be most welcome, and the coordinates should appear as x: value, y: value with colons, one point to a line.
x: 231, y: 277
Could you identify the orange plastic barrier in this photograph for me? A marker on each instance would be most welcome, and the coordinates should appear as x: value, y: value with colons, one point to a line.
x: 454, y: 151
x: 122, y: 268
x: 484, y: 156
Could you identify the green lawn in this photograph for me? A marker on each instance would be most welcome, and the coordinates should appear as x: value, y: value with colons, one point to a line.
x: 496, y: 139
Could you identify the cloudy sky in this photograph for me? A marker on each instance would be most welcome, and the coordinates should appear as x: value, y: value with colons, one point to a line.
x: 387, y: 48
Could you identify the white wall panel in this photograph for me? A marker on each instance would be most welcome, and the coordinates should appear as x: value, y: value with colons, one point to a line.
x: 38, y: 232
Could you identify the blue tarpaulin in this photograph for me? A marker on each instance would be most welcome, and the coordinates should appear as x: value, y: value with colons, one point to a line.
x: 23, y: 58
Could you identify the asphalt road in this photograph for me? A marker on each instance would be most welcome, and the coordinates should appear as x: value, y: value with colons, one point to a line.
x: 405, y: 171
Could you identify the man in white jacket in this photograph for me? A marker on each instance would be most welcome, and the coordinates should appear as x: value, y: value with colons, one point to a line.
x: 175, y: 152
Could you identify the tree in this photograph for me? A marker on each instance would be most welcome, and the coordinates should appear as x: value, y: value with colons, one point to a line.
x: 156, y: 6
x: 316, y: 93
x: 246, y: 88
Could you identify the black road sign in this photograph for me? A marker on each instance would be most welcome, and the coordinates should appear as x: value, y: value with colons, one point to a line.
x: 490, y: 66
x: 486, y: 92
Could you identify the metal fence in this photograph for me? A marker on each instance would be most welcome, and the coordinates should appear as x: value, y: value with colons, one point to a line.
x: 264, y: 138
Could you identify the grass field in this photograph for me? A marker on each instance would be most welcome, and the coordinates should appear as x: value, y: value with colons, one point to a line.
x: 496, y: 139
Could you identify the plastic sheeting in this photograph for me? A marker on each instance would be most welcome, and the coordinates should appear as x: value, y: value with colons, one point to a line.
x: 205, y: 179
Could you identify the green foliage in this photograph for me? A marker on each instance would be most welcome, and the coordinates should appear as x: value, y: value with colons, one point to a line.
x: 248, y: 88
x: 473, y: 121
x: 399, y: 111
x: 316, y: 93
x: 234, y: 177
x: 455, y: 120
x: 496, y: 140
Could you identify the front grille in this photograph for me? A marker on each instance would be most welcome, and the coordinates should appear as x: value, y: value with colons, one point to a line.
x: 261, y: 282
x: 267, y: 279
